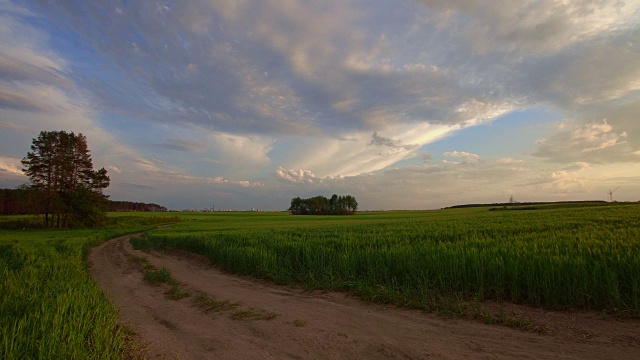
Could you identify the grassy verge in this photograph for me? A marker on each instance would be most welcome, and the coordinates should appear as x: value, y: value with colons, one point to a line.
x: 51, y: 308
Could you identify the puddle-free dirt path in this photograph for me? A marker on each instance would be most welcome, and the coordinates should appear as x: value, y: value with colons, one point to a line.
x: 326, y: 325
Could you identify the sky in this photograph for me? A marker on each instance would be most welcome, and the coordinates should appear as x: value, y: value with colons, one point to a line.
x: 404, y: 104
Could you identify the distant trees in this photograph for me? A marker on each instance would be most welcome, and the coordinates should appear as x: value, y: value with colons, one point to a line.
x: 60, y: 170
x: 20, y: 201
x: 26, y: 201
x: 134, y: 206
x: 320, y: 205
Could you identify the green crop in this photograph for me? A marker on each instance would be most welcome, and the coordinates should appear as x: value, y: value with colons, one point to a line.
x: 556, y: 258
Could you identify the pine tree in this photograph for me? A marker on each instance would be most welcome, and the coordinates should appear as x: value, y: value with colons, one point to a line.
x: 60, y: 168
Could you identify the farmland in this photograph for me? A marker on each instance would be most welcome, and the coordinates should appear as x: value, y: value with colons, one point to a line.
x: 444, y: 261
x: 555, y: 258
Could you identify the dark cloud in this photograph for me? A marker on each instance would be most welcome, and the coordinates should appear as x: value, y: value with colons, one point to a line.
x: 378, y: 140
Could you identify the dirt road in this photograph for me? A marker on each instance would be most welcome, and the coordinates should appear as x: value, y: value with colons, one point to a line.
x: 274, y: 322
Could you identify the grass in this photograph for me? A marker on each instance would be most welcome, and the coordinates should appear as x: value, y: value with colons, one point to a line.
x: 253, y: 314
x: 299, y: 323
x: 208, y: 303
x: 203, y: 300
x: 50, y: 306
x: 444, y: 261
x: 158, y: 276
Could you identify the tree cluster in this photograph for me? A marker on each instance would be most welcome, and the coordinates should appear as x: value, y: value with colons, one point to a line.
x: 21, y: 201
x: 320, y: 205
x: 134, y: 206
x: 60, y: 170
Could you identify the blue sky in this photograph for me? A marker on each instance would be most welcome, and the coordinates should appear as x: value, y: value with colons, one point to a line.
x: 410, y: 104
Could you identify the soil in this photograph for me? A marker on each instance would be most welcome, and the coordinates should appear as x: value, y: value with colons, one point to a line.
x: 275, y: 322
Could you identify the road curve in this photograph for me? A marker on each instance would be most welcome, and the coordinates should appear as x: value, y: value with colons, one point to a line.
x: 323, y: 325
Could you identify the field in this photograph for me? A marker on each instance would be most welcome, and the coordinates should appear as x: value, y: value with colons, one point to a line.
x: 50, y: 306
x: 555, y: 258
x: 565, y: 258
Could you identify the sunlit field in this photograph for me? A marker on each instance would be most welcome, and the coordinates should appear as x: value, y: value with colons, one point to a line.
x: 555, y: 257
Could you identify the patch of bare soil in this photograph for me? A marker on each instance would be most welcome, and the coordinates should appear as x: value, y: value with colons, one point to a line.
x: 303, y: 325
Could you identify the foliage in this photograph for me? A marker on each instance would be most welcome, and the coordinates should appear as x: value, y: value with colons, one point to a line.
x: 320, y: 205
x: 24, y: 201
x: 134, y: 206
x: 50, y: 306
x: 19, y: 201
x: 584, y: 258
x: 60, y: 170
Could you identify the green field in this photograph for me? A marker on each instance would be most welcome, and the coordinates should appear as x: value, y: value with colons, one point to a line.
x: 50, y: 306
x: 552, y: 257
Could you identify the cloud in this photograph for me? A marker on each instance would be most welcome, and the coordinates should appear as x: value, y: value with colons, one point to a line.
x: 531, y: 25
x: 596, y: 142
x: 354, y: 93
x: 510, y: 161
x: 11, y: 100
x: 185, y: 145
x: 16, y: 127
x: 566, y: 179
x: 11, y: 174
x: 467, y: 158
x: 114, y: 169
x: 296, y: 176
x: 11, y: 165
x: 378, y: 140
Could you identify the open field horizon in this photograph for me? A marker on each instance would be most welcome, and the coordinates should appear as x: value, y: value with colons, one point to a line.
x: 450, y: 262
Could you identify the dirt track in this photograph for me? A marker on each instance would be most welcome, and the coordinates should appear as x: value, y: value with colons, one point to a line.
x: 326, y: 325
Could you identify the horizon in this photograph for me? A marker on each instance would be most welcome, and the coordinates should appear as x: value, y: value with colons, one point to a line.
x: 414, y: 104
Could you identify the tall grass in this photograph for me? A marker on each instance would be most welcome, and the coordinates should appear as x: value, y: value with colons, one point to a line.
x: 50, y: 307
x: 580, y: 258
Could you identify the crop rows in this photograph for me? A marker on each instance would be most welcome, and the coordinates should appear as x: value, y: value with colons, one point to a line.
x: 575, y: 258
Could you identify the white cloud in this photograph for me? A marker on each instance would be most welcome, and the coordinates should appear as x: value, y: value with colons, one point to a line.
x: 596, y: 142
x: 467, y: 158
x: 241, y: 149
x: 533, y: 25
x: 11, y: 165
x: 296, y: 176
x: 361, y: 152
x: 509, y: 161
x: 114, y: 169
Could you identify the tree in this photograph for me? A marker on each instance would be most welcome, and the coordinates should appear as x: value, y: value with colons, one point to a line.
x: 60, y: 169
x: 320, y: 205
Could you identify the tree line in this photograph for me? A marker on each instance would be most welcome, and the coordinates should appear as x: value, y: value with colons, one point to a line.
x: 320, y: 205
x: 25, y: 201
x: 134, y: 206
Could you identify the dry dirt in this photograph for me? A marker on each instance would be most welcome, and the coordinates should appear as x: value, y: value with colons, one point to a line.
x: 326, y: 325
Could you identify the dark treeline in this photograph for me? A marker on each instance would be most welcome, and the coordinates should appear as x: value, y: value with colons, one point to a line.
x: 19, y: 202
x: 134, y: 206
x: 320, y: 205
x: 523, y: 203
x: 24, y: 201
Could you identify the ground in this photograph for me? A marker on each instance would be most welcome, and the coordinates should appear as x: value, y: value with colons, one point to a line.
x: 233, y: 317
